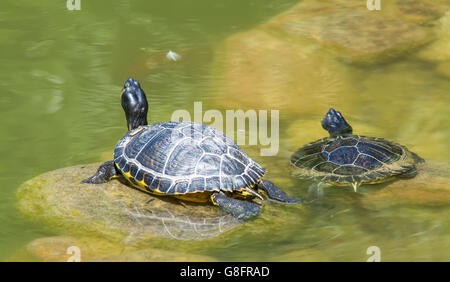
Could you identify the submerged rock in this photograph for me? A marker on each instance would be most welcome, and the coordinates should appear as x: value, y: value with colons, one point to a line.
x: 156, y: 255
x: 298, y: 61
x: 439, y: 50
x: 66, y: 248
x: 262, y: 71
x: 114, y: 210
x: 51, y: 248
x: 70, y: 249
x: 419, y: 11
x: 420, y: 123
x: 349, y: 30
x: 444, y: 69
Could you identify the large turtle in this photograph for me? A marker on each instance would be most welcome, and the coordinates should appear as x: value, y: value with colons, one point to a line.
x: 344, y: 158
x: 188, y: 160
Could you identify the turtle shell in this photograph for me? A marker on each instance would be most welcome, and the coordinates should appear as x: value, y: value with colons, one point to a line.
x: 184, y: 157
x: 352, y: 158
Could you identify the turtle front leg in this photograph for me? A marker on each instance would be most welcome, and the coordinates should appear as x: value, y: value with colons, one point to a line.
x: 104, y: 173
x: 316, y: 190
x: 238, y: 208
x: 275, y: 193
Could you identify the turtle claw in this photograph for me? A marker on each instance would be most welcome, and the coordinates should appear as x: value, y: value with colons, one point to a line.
x: 240, y: 209
x: 104, y: 173
x: 275, y: 193
x: 90, y: 180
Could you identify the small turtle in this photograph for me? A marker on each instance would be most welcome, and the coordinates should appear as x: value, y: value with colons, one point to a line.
x: 187, y: 160
x: 344, y: 158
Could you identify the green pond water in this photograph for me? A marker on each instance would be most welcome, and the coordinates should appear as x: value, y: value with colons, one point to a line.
x: 61, y: 76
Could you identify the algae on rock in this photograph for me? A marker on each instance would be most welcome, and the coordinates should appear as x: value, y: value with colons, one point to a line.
x: 114, y: 210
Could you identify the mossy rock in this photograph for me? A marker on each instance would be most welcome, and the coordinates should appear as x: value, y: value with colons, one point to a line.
x: 114, y: 214
x: 114, y: 210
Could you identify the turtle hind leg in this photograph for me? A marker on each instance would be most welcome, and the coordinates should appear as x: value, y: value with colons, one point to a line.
x: 104, y: 173
x: 240, y: 209
x: 275, y: 193
x: 416, y: 158
x: 410, y: 173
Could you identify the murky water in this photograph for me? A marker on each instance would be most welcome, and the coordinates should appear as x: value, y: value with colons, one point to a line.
x: 62, y: 72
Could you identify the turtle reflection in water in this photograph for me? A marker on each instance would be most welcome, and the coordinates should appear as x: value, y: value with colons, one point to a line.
x: 167, y: 218
x: 115, y: 211
x: 187, y: 160
x: 347, y: 159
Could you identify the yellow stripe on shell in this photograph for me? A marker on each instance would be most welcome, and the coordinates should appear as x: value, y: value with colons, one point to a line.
x: 197, y: 196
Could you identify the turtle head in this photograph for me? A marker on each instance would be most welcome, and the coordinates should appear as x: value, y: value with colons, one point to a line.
x: 335, y: 124
x: 134, y: 103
